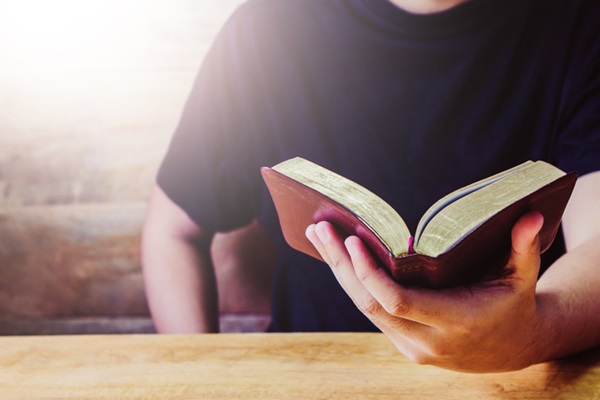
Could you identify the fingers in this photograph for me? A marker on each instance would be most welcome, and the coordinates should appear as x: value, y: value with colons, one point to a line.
x: 525, y: 252
x: 404, y: 333
x: 370, y: 287
x: 331, y: 247
x: 392, y: 297
x: 329, y: 244
x: 435, y: 308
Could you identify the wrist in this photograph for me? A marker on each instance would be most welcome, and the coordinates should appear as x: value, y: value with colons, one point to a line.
x: 548, y: 341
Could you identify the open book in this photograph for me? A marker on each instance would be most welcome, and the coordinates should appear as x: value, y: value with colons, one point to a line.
x: 461, y: 238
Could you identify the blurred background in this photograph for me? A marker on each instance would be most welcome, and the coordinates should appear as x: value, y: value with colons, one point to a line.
x: 90, y: 93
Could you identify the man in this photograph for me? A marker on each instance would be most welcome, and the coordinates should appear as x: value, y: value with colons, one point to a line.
x: 411, y: 99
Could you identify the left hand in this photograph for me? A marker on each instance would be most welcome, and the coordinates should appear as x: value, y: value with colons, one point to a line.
x: 485, y: 327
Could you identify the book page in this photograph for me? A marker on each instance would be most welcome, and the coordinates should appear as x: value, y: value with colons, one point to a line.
x: 459, y: 193
x: 373, y: 211
x: 463, y: 216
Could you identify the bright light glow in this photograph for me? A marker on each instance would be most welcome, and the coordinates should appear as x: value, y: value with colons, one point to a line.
x: 57, y: 25
x: 56, y: 35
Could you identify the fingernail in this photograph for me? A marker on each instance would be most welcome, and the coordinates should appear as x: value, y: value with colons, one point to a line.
x: 310, y: 230
x: 320, y: 231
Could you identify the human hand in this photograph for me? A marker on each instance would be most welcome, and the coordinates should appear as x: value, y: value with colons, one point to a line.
x: 489, y: 326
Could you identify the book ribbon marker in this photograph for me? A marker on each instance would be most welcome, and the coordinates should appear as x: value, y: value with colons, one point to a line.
x: 411, y: 243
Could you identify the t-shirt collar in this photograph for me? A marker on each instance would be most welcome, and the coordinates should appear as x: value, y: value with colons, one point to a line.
x: 463, y: 17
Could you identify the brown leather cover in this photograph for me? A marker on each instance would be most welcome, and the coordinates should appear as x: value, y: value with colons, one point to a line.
x: 483, y: 252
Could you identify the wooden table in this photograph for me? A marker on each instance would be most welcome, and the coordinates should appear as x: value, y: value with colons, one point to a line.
x: 263, y: 366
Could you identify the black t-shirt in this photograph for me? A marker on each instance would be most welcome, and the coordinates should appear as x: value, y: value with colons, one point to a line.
x: 410, y: 106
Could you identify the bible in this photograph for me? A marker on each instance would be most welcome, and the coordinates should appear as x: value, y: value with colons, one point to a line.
x: 462, y: 238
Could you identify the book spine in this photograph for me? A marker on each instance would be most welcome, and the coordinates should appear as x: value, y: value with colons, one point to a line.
x: 415, y: 270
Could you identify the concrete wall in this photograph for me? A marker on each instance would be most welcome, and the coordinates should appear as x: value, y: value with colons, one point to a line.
x: 89, y: 97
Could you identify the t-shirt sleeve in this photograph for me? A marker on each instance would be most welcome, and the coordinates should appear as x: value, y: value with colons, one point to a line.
x: 578, y: 146
x: 208, y: 170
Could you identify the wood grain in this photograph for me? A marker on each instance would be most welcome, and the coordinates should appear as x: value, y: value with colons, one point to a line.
x: 263, y: 366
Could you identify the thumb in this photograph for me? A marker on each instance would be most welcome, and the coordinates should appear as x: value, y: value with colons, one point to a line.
x: 525, y: 253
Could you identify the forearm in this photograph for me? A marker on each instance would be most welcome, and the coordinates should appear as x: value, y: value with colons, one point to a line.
x: 180, y: 285
x: 568, y: 302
